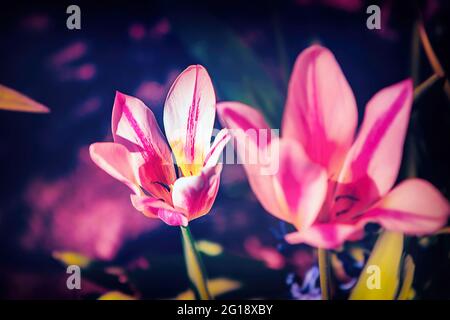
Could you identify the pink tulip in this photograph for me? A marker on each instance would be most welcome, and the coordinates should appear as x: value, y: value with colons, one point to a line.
x: 330, y: 183
x: 141, y: 158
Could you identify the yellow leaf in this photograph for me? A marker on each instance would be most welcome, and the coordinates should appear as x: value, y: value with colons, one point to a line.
x: 71, y: 258
x: 116, y: 295
x: 407, y: 292
x: 209, y: 248
x: 217, y: 287
x: 380, y: 277
x: 14, y: 101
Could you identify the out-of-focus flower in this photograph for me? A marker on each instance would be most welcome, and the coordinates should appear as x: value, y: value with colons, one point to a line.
x: 98, y: 210
x: 346, y: 5
x: 88, y: 106
x: 137, y: 31
x: 67, y: 64
x: 160, y: 29
x: 270, y: 256
x: 69, y: 54
x: 330, y: 184
x: 151, y: 92
x: 154, y: 92
x: 141, y: 158
x: 36, y: 22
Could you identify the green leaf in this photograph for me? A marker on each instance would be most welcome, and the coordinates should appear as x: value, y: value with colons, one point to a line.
x: 406, y: 292
x: 72, y: 258
x: 217, y: 287
x: 116, y: 295
x: 195, y: 269
x: 15, y: 101
x: 209, y: 248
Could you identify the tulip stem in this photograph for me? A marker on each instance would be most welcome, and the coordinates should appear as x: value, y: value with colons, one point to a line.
x: 194, y: 266
x: 325, y: 273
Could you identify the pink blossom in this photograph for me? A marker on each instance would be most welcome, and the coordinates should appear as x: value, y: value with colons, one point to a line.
x: 330, y: 183
x: 141, y: 158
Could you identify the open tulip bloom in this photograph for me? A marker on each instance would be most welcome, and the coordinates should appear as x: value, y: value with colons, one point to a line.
x: 329, y: 182
x: 141, y: 158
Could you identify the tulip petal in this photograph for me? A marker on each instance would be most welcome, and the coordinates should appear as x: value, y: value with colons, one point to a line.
x: 116, y: 160
x: 376, y: 154
x: 156, y: 208
x: 251, y: 136
x: 236, y: 115
x: 300, y: 185
x: 413, y: 207
x: 320, y: 110
x: 172, y: 217
x: 135, y: 126
x: 215, y: 152
x: 327, y: 235
x: 195, y: 195
x: 189, y: 113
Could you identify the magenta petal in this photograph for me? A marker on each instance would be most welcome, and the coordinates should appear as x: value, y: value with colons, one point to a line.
x: 326, y: 236
x: 116, y: 160
x: 189, y: 113
x: 300, y: 185
x: 172, y: 218
x: 195, y: 195
x: 155, y: 208
x: 246, y: 126
x: 375, y: 156
x: 135, y: 126
x: 236, y: 115
x: 413, y: 207
x: 320, y: 110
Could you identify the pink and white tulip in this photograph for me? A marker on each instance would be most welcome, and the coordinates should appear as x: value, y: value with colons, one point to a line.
x: 331, y: 182
x: 141, y: 158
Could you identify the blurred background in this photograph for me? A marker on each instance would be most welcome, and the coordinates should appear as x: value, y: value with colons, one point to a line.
x: 57, y: 207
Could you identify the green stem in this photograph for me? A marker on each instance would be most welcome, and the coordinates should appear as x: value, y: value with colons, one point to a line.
x: 194, y: 266
x: 325, y: 273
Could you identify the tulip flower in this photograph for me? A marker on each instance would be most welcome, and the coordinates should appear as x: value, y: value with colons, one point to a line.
x: 331, y: 182
x: 141, y: 158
